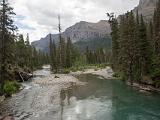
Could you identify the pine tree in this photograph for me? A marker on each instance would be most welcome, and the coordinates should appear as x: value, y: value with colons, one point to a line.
x: 127, y: 42
x: 155, y: 36
x: 144, y: 48
x: 156, y: 29
x: 115, y: 44
x: 28, y: 51
x: 150, y: 35
x: 61, y: 49
x: 87, y: 55
x: 51, y: 53
x: 7, y: 29
x: 20, y: 51
x: 54, y: 57
x: 69, y: 53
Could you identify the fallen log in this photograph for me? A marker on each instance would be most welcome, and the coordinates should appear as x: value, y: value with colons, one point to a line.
x: 22, y: 76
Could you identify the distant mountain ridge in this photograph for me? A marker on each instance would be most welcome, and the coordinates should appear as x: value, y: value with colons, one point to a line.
x: 81, y: 31
x: 86, y: 31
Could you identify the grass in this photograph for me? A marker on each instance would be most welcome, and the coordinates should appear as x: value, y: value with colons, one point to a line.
x: 10, y: 87
x: 66, y: 71
x: 88, y: 66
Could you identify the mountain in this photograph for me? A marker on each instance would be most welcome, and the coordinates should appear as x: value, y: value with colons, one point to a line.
x: 81, y: 31
x: 84, y: 30
x: 85, y: 33
x: 146, y: 8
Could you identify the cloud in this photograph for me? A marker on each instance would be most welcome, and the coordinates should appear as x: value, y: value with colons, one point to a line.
x: 39, y: 17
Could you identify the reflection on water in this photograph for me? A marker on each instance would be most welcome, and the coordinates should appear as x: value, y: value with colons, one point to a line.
x: 65, y: 95
x: 107, y: 100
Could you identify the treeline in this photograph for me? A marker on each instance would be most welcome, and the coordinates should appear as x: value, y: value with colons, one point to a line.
x: 15, y: 52
x: 63, y: 55
x: 98, y: 56
x: 136, y: 47
x: 26, y: 56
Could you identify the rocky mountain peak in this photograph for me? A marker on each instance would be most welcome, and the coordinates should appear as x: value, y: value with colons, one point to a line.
x: 146, y: 8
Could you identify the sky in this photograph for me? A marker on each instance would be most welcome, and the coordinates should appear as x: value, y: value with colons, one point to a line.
x: 40, y: 17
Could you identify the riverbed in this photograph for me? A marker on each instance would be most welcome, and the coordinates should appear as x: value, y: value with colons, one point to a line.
x: 84, y: 97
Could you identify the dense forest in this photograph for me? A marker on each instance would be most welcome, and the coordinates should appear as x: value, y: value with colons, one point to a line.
x: 136, y: 47
x: 16, y: 54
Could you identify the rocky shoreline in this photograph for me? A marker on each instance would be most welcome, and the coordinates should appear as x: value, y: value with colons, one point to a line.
x: 106, y: 73
x: 145, y: 88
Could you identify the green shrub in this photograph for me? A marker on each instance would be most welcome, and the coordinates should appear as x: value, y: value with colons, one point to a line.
x: 73, y: 70
x: 156, y: 83
x: 116, y: 75
x: 119, y: 76
x: 155, y: 68
x: 66, y: 71
x: 95, y: 69
x: 10, y: 87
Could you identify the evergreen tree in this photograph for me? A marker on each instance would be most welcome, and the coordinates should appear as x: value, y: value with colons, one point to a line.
x: 156, y: 29
x: 51, y: 53
x: 54, y: 57
x: 115, y: 44
x: 7, y: 29
x: 69, y: 53
x: 61, y: 49
x: 28, y: 53
x: 87, y: 55
x: 144, y: 48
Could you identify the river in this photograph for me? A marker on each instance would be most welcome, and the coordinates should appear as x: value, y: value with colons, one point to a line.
x: 97, y: 99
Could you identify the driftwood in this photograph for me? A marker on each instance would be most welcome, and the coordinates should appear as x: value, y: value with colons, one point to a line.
x: 21, y: 76
x: 24, y: 76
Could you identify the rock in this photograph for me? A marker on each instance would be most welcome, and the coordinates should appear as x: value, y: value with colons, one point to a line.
x: 146, y: 8
x: 56, y: 77
x: 1, y: 117
x: 7, y: 117
x: 2, y: 98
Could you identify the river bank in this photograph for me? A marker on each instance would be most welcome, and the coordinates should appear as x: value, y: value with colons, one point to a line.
x: 106, y: 73
x: 145, y: 88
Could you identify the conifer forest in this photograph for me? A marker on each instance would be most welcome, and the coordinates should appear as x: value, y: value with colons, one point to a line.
x: 105, y: 70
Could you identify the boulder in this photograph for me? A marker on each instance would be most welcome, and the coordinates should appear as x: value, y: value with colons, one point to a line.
x: 7, y: 117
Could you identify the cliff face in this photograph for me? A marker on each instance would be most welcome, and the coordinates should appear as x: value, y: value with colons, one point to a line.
x: 146, y: 8
x: 85, y: 30
x: 81, y: 31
